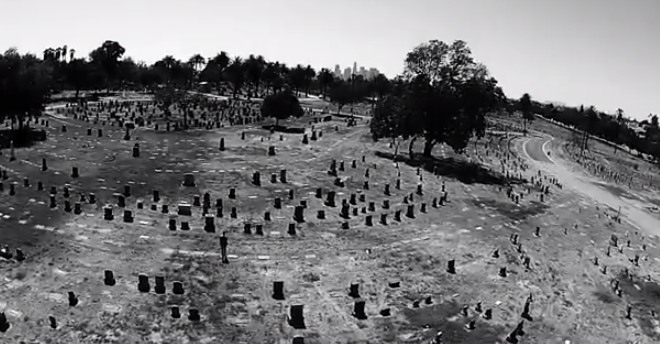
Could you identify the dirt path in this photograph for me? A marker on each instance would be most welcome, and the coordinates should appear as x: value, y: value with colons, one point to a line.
x: 539, y: 152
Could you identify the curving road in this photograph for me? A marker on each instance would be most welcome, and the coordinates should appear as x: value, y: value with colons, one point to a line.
x: 535, y: 150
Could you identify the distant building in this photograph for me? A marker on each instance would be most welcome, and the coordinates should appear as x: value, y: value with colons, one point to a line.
x: 347, y: 73
x: 355, y: 68
x: 337, y: 71
x: 372, y: 73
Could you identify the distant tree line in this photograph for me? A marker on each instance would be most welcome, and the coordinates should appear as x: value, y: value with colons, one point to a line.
x: 615, y: 127
x: 27, y: 80
x: 441, y: 98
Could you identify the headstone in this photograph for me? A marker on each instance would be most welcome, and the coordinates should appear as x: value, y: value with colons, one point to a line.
x: 296, y: 318
x: 74, y: 172
x: 189, y: 180
x: 109, y: 278
x: 177, y: 288
x: 160, y: 288
x: 107, y: 212
x: 128, y: 216
x: 451, y: 266
x: 52, y: 322
x: 209, y: 224
x: 278, y: 290
x: 193, y: 315
x: 298, y: 215
x: 143, y: 283
x: 136, y: 150
x: 73, y: 299
x: 358, y: 310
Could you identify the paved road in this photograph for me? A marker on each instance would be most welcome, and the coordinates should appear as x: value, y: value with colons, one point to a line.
x: 584, y: 184
x: 534, y: 148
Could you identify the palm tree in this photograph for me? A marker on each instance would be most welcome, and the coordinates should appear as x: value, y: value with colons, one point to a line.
x: 235, y: 74
x: 197, y: 61
x: 49, y: 54
x: 525, y: 106
x: 325, y: 78
x: 308, y: 76
x: 619, y: 127
x: 64, y: 51
x: 255, y: 69
x: 222, y: 60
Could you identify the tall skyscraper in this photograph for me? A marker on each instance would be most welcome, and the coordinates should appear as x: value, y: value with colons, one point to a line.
x: 337, y: 71
x: 355, y: 68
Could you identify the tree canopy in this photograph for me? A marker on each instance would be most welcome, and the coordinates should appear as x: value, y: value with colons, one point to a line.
x: 25, y: 85
x: 281, y: 105
x: 445, y: 91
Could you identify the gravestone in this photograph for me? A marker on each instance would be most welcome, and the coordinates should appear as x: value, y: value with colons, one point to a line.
x: 296, y: 318
x: 160, y: 288
x: 73, y: 299
x: 177, y: 288
x: 358, y: 310
x: 189, y: 180
x: 143, y: 283
x: 278, y: 290
x: 109, y: 278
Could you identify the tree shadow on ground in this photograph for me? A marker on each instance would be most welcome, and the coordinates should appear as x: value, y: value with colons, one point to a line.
x: 644, y: 296
x: 446, y: 317
x: 464, y: 171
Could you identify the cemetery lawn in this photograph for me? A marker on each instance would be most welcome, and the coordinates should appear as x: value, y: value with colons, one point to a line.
x: 572, y: 297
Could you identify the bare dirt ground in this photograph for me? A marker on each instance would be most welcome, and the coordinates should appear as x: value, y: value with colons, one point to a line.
x: 572, y: 297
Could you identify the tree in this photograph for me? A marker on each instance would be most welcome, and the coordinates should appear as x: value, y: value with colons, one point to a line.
x: 296, y: 78
x: 451, y: 92
x: 326, y: 78
x: 281, y: 105
x: 255, y: 69
x: 197, y: 61
x: 25, y: 84
x: 271, y: 76
x: 525, y: 107
x: 107, y: 57
x: 235, y: 74
x: 591, y: 122
x: 78, y: 75
x: 308, y: 76
x: 393, y: 118
x: 341, y: 94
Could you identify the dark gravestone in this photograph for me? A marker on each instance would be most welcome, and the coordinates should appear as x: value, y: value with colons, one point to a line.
x: 143, y: 283
x: 358, y: 310
x: 109, y: 278
x: 160, y: 288
x: 177, y: 288
x: 278, y: 290
x: 296, y: 318
x: 73, y: 299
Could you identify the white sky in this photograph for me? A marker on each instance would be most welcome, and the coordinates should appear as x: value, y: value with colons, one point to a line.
x: 600, y: 52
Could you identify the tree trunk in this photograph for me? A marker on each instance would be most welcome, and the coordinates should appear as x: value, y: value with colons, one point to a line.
x: 428, y: 148
x: 411, y: 154
x: 339, y: 108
